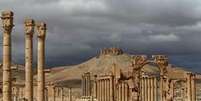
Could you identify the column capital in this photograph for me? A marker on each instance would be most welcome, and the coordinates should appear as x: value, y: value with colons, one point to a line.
x: 29, y: 26
x: 7, y: 20
x: 41, y: 28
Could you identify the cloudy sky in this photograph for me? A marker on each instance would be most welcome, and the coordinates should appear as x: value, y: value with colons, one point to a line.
x: 77, y: 29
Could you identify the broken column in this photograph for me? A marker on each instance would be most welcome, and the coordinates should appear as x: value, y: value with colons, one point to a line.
x: 29, y: 31
x: 7, y: 21
x: 41, y: 28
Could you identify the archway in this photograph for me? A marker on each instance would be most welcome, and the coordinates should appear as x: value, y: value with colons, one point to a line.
x: 146, y: 86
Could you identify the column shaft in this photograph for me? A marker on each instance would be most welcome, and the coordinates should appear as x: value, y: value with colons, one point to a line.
x: 161, y: 88
x: 189, y: 95
x: 155, y: 89
x: 146, y: 90
x: 143, y: 89
x: 149, y: 89
x: 123, y: 92
x: 41, y: 61
x: 193, y: 89
x: 41, y: 86
x: 152, y: 89
x: 111, y: 89
x: 29, y: 30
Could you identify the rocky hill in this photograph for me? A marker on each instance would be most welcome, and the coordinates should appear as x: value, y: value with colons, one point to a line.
x: 71, y: 75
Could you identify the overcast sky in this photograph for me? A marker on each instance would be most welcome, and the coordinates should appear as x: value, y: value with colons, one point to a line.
x: 77, y: 29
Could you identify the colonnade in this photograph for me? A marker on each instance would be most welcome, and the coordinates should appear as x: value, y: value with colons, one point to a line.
x: 29, y: 24
x: 62, y: 94
x: 149, y: 89
x: 105, y: 88
x: 122, y: 92
x: 191, y: 87
x: 17, y: 93
x: 86, y: 84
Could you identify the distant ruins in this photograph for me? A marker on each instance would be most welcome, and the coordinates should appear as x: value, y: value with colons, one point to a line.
x: 130, y: 84
x: 137, y: 85
x: 111, y: 51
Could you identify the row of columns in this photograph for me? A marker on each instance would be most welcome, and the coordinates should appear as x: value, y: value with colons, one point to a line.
x: 17, y: 93
x: 149, y: 89
x: 122, y: 92
x: 7, y: 21
x: 86, y: 84
x: 191, y: 87
x: 62, y: 94
x: 105, y: 89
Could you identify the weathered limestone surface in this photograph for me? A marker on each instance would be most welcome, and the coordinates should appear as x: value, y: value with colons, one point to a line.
x: 7, y: 21
x: 29, y: 31
x: 41, y: 29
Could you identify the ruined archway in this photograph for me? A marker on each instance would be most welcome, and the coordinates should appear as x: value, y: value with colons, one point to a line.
x: 146, y: 85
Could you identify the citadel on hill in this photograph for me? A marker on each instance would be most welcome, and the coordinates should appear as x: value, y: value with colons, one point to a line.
x: 113, y: 75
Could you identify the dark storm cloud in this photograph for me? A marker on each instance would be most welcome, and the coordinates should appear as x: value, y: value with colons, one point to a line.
x: 77, y: 29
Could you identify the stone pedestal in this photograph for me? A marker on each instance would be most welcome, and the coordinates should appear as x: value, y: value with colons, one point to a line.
x: 7, y: 21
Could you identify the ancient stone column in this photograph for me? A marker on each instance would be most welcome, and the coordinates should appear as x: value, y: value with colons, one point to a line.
x: 155, y: 89
x: 189, y: 95
x: 161, y: 88
x: 193, y: 87
x: 142, y: 89
x: 54, y: 94
x: 41, y: 28
x: 149, y: 89
x: 29, y: 31
x: 152, y: 89
x: 7, y: 21
x: 126, y: 92
x: 95, y: 87
x: 106, y: 90
x: 146, y: 89
x: 70, y: 94
x: 123, y: 92
x: 111, y: 89
x: 98, y: 88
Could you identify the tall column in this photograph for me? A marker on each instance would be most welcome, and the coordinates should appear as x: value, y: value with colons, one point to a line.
x: 105, y: 85
x: 189, y: 96
x: 111, y: 89
x: 193, y: 89
x: 95, y: 87
x: 7, y: 21
x: 126, y: 92
x: 149, y: 89
x: 99, y: 90
x: 29, y: 31
x: 161, y: 88
x: 70, y: 94
x: 142, y: 89
x: 152, y: 89
x: 123, y: 92
x: 146, y: 90
x: 107, y: 90
x: 155, y: 89
x: 41, y: 28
